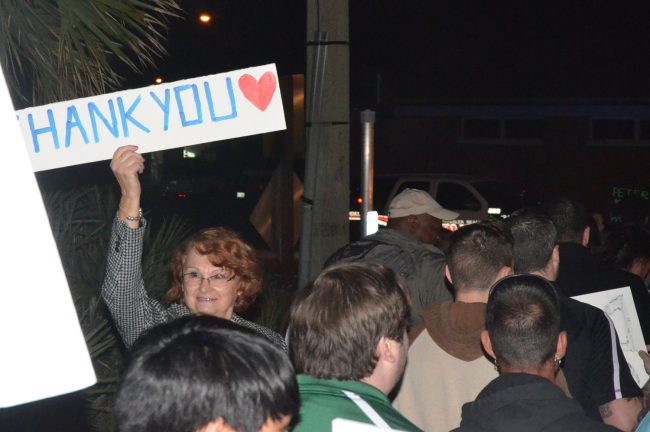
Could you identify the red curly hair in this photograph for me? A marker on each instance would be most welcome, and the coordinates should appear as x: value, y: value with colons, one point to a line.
x: 224, y: 248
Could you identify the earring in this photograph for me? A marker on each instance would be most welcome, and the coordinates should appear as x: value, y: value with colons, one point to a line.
x: 496, y: 365
x: 557, y: 361
x: 238, y: 298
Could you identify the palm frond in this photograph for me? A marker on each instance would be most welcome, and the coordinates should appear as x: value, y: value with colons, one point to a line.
x: 80, y: 220
x: 54, y: 50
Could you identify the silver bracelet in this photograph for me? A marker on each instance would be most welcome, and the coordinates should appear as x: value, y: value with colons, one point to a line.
x: 135, y: 218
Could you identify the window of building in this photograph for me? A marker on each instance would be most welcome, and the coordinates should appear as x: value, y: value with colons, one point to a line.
x: 482, y: 129
x: 503, y: 130
x: 644, y: 130
x: 612, y: 129
x: 523, y: 129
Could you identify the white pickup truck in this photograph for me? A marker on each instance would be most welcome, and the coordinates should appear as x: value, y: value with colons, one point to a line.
x: 473, y: 198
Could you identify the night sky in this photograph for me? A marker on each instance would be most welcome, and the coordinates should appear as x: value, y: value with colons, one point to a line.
x: 433, y: 49
x: 507, y: 49
x: 241, y: 34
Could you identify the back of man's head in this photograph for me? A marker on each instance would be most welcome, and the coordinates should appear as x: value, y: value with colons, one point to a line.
x: 335, y: 328
x: 477, y: 253
x: 534, y: 236
x: 191, y: 372
x: 570, y: 219
x: 523, y: 321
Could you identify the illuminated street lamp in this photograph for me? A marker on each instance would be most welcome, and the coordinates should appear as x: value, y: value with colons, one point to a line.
x: 158, y: 80
x: 205, y: 18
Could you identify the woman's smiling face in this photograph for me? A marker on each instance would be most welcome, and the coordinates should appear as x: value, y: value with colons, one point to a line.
x: 208, y: 289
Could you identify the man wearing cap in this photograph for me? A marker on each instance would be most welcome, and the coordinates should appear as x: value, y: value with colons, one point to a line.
x: 408, y: 247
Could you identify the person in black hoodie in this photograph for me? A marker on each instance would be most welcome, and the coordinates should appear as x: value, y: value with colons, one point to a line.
x: 524, y: 338
x: 580, y: 272
x: 597, y: 373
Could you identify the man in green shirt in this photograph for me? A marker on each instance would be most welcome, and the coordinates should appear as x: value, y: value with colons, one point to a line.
x: 347, y: 340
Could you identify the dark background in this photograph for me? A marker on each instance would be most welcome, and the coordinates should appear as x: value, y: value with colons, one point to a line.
x: 421, y: 54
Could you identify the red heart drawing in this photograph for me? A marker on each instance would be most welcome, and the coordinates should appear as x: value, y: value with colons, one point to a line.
x: 259, y: 92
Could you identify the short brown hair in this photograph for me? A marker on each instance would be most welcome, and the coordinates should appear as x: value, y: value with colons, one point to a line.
x: 476, y: 254
x: 336, y: 325
x: 224, y: 248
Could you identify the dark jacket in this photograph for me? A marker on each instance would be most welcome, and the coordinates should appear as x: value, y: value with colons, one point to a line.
x: 525, y: 403
x: 580, y: 273
x: 594, y: 365
x: 420, y: 264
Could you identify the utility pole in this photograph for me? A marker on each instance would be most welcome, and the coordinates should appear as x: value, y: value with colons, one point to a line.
x: 327, y: 179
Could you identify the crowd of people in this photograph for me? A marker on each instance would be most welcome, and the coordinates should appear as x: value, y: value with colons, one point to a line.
x: 395, y: 332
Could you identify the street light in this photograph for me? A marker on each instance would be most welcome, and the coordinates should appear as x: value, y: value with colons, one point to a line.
x: 205, y: 18
x: 158, y: 80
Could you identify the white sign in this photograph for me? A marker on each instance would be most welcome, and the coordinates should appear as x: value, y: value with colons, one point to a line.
x: 372, y: 223
x: 618, y: 304
x: 43, y: 350
x: 158, y: 117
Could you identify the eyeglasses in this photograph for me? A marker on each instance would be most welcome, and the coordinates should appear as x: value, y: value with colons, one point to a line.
x: 195, y: 279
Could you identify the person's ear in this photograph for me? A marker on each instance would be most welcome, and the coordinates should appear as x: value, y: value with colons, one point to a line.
x: 555, y: 262
x: 487, y: 343
x: 560, y: 350
x: 585, y: 236
x: 555, y: 256
x: 505, y: 271
x: 386, y: 351
x: 448, y: 275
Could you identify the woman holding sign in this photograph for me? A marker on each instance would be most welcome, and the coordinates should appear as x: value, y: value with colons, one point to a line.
x: 213, y: 273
